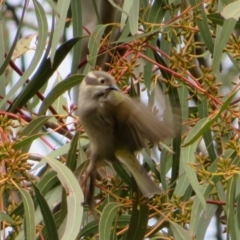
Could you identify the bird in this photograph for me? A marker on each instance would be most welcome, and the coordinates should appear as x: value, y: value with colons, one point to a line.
x: 117, y: 127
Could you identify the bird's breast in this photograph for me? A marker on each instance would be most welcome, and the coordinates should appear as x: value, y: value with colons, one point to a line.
x: 100, y: 131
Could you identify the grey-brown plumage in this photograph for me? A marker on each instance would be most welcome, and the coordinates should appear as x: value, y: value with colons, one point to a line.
x: 118, y: 126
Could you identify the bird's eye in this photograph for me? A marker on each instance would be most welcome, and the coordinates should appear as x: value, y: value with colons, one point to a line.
x: 102, y: 80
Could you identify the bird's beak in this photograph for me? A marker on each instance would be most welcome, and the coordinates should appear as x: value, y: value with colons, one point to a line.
x: 114, y: 87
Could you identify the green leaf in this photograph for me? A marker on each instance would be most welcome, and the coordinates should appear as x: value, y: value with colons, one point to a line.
x: 45, y: 185
x: 41, y: 43
x: 117, y: 6
x: 221, y: 193
x: 166, y: 159
x: 29, y: 216
x: 122, y: 173
x: 232, y: 10
x: 48, y: 182
x: 53, y: 198
x: 94, y: 44
x: 147, y: 73
x: 207, y: 135
x: 62, y: 10
x: 74, y: 198
x: 205, y: 219
x: 183, y: 181
x: 56, y: 153
x: 125, y: 13
x: 203, y: 24
x: 43, y: 73
x: 176, y: 112
x: 2, y: 59
x: 139, y: 219
x: 231, y: 190
x: 157, y: 12
x: 133, y: 16
x: 77, y: 32
x: 34, y: 126
x: 58, y: 90
x: 197, y: 210
x: 218, y: 19
x: 47, y: 215
x: 63, y: 209
x: 71, y: 156
x: 13, y: 45
x: 27, y: 141
x: 106, y: 220
x: 6, y: 218
x: 138, y: 36
x: 151, y: 164
x: 32, y: 129
x: 238, y: 211
x: 178, y: 232
x: 188, y: 156
x: 159, y: 59
x: 204, y: 124
x: 221, y: 41
x: 197, y: 205
x: 91, y: 228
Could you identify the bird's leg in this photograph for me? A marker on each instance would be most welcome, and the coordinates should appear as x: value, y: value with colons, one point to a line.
x: 84, y: 182
x: 90, y: 169
x: 89, y: 193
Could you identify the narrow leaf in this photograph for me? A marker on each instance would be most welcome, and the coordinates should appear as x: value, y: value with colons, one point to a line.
x: 231, y: 190
x: 71, y: 156
x: 221, y: 41
x: 203, y: 24
x: 42, y: 75
x: 31, y: 130
x: 178, y: 232
x: 139, y: 219
x: 106, y: 220
x: 6, y: 218
x: 188, y: 156
x: 91, y: 228
x: 207, y: 135
x: 41, y: 43
x: 238, y: 211
x: 76, y: 9
x: 94, y: 44
x: 232, y: 10
x: 27, y: 141
x: 133, y: 17
x: 29, y: 216
x: 216, y: 18
x: 204, y: 124
x: 205, y: 220
x: 125, y: 13
x: 58, y: 90
x: 47, y: 215
x: 151, y: 164
x: 62, y: 9
x: 74, y: 198
x: 13, y: 45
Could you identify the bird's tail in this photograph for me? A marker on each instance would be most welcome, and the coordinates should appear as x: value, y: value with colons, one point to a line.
x: 144, y: 182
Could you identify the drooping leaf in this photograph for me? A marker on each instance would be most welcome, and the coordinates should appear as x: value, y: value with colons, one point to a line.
x: 44, y: 72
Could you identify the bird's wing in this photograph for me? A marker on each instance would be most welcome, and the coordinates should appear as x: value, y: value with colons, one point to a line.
x: 136, y: 121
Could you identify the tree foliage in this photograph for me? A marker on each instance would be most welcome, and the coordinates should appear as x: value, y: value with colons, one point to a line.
x: 190, y: 48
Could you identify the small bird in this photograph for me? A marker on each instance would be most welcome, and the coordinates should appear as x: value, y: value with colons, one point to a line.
x: 117, y: 127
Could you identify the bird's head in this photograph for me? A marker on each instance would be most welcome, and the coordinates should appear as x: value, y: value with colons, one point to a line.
x: 99, y: 83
